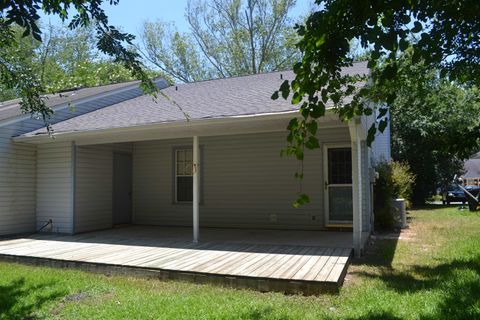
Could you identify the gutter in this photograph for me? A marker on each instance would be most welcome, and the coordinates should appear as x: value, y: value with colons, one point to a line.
x: 195, y: 123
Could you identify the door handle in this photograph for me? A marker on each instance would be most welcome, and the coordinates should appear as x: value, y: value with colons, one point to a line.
x: 326, y: 185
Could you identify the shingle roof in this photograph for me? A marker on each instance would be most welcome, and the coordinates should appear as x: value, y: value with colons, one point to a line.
x: 472, y: 168
x: 221, y: 98
x: 11, y: 108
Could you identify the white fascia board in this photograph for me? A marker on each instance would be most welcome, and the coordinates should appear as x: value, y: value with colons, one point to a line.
x: 197, y: 125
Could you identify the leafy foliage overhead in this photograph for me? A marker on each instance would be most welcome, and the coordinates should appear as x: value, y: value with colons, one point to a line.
x: 442, y: 34
x: 109, y: 40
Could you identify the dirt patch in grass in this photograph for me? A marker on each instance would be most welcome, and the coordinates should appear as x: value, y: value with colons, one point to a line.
x: 77, y: 297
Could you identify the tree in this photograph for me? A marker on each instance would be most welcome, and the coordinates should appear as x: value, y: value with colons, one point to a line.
x: 227, y: 38
x: 442, y: 34
x: 23, y: 79
x: 174, y: 53
x: 21, y: 55
x: 69, y: 59
x: 432, y: 126
x: 66, y: 59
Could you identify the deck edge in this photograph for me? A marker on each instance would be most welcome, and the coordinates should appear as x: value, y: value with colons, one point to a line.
x: 286, y: 286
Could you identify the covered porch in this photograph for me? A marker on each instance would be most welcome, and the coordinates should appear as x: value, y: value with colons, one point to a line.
x: 232, y: 218
x: 233, y: 177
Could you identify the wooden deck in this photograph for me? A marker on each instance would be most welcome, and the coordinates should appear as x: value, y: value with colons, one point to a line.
x: 307, y: 269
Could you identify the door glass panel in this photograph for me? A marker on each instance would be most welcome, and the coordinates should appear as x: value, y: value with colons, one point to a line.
x: 340, y: 203
x: 340, y: 184
x: 340, y: 166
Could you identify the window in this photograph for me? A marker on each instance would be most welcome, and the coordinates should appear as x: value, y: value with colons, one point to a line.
x: 183, y: 175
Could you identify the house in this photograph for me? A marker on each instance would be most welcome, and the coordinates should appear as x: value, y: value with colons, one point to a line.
x: 471, y: 168
x: 119, y: 157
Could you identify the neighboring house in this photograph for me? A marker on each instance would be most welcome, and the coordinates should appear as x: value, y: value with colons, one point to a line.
x: 119, y: 157
x: 471, y: 169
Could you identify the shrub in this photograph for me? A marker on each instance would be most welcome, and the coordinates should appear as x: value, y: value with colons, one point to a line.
x: 395, y: 180
x: 383, y: 193
x: 402, y: 181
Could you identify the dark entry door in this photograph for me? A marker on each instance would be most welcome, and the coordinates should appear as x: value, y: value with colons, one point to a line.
x: 122, y: 188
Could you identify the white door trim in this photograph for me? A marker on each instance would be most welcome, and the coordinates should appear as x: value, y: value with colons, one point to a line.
x: 326, y: 184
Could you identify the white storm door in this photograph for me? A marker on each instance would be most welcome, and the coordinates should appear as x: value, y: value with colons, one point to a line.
x: 338, y: 184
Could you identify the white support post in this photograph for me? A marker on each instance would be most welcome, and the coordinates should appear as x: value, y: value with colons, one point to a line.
x: 196, y: 184
x: 360, y: 192
x: 356, y: 187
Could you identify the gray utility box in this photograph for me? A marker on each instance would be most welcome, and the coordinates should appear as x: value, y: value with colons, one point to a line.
x: 399, y: 213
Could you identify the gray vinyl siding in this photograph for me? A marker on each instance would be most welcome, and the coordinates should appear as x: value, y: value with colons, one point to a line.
x: 17, y: 182
x: 18, y: 165
x: 55, y: 186
x: 244, y: 181
x: 381, y: 146
x: 17, y: 186
x: 93, y: 185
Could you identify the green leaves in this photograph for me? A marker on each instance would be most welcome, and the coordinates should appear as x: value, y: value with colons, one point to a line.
x: 441, y: 37
x: 293, y: 124
x: 301, y: 200
x: 312, y: 127
x: 274, y: 95
x: 403, y: 44
x: 371, y: 134
x: 29, y: 83
x: 382, y: 125
x: 312, y: 143
x: 320, y: 41
x: 285, y: 89
x: 296, y: 98
x: 317, y: 110
x: 417, y: 27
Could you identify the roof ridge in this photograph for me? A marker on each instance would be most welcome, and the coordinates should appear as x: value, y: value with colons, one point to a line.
x: 227, y: 78
x: 247, y: 75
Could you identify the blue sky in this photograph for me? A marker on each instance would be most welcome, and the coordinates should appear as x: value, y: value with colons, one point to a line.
x: 131, y: 14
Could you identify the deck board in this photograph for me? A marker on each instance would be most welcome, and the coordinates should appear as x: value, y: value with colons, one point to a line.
x: 312, y: 261
x: 317, y: 267
x: 311, y: 265
x: 329, y: 265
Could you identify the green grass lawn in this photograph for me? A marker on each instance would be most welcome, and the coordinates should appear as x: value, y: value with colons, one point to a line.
x: 432, y: 272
